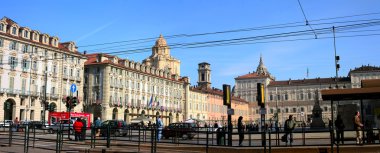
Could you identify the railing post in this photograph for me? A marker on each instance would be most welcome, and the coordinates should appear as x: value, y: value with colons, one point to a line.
x: 270, y: 141
x: 10, y: 134
x: 34, y: 134
x: 26, y: 138
x: 151, y: 140
x: 249, y: 137
x: 207, y: 140
x: 139, y: 140
x: 108, y: 136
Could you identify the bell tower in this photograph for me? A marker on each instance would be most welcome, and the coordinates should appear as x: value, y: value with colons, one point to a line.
x: 204, y: 75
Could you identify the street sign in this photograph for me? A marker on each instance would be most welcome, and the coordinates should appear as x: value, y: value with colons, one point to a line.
x: 230, y: 111
x: 73, y: 88
x: 263, y: 111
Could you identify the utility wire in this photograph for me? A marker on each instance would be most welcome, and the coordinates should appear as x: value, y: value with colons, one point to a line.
x: 272, y: 36
x: 222, y: 32
x: 307, y: 22
x: 316, y: 24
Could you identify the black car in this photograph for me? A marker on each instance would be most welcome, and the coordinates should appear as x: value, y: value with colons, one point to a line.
x: 181, y: 130
x: 117, y: 128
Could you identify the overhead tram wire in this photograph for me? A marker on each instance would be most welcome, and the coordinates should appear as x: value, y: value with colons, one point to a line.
x: 262, y: 42
x: 272, y: 36
x: 307, y: 22
x: 228, y: 31
x: 315, y: 24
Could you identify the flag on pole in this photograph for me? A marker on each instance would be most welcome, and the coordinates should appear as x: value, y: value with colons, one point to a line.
x: 307, y: 73
x: 150, y: 102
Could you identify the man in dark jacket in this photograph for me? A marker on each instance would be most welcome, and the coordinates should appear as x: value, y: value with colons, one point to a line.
x: 339, y: 129
x: 240, y: 130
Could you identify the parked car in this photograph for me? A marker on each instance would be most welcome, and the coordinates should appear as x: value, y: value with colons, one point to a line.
x: 181, y: 130
x: 117, y: 128
x: 6, y: 123
x: 65, y: 126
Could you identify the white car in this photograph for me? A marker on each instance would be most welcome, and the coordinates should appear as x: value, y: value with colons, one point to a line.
x: 6, y: 123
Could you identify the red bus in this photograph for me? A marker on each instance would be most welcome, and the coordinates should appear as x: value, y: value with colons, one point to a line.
x: 55, y: 117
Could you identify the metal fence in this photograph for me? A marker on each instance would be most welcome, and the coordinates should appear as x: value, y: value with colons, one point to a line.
x: 29, y: 135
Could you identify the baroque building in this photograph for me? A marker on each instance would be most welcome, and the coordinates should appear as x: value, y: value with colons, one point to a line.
x: 122, y: 89
x: 32, y: 65
x: 295, y: 97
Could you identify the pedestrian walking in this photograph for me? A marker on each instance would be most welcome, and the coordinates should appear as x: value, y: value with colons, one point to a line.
x: 84, y: 129
x: 78, y: 125
x: 289, y: 127
x: 159, y: 128
x: 358, y: 126
x: 98, y: 124
x: 339, y: 129
x: 240, y: 130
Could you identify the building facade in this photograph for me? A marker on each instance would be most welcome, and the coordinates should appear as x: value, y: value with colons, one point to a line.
x: 32, y: 65
x: 295, y: 97
x: 206, y: 103
x: 122, y: 89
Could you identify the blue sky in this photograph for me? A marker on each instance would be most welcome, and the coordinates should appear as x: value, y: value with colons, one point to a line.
x: 91, y: 22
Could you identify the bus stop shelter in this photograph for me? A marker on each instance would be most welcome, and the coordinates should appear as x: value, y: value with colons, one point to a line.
x: 370, y: 90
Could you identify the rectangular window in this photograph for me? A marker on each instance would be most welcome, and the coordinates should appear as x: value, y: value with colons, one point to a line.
x: 54, y: 69
x: 71, y: 72
x: 1, y: 60
x: 1, y: 41
x: 78, y: 73
x: 35, y: 65
x: 25, y: 49
x: 52, y: 90
x: 31, y: 114
x: 25, y: 65
x: 13, y: 62
x: 11, y: 83
x: 23, y: 85
x: 64, y: 71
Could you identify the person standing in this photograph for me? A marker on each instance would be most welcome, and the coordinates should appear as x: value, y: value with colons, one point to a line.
x: 240, y: 130
x: 358, y: 126
x: 339, y: 129
x: 78, y: 125
x: 159, y: 128
x: 84, y: 129
x: 98, y: 124
x: 289, y: 127
x: 17, y: 123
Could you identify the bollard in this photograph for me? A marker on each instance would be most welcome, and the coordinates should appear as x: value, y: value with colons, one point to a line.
x: 249, y: 137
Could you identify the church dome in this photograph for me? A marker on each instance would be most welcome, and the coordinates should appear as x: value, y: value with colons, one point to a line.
x: 160, y: 41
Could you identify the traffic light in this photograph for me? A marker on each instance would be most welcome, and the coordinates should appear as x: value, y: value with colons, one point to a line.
x: 74, y: 102
x: 46, y: 105
x: 337, y: 58
x: 260, y: 95
x: 226, y: 95
x: 68, y: 102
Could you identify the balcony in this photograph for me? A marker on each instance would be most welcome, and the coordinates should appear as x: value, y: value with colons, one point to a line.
x: 54, y: 96
x: 34, y: 93
x: 2, y: 90
x: 65, y: 76
x: 24, y: 93
x: 12, y: 92
x: 72, y: 78
x: 78, y: 79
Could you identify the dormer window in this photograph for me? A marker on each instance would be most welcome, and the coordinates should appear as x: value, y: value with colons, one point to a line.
x: 35, y: 36
x: 71, y: 47
x: 14, y: 31
x: 1, y: 27
x: 45, y: 39
x: 26, y: 34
